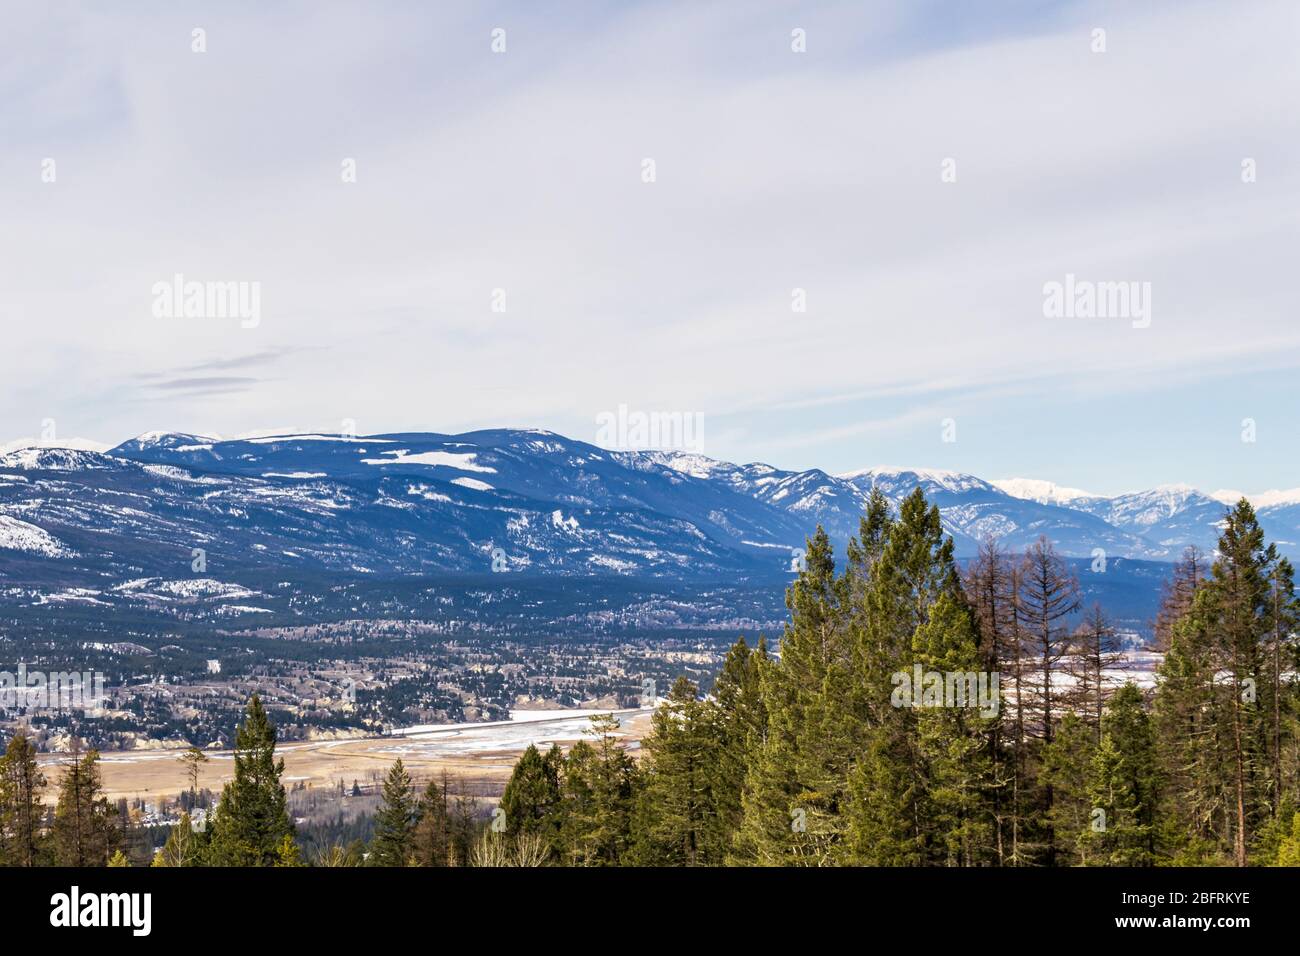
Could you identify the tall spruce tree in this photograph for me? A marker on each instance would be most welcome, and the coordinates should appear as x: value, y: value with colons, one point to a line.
x: 1238, y: 598
x: 796, y: 785
x: 394, y: 820
x: 252, y: 818
x: 1192, y: 722
x: 738, y: 722
x: 677, y: 823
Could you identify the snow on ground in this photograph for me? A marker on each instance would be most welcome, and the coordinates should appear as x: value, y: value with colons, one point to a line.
x: 186, y: 588
x: 278, y: 439
x: 20, y: 536
x: 472, y: 483
x: 539, y: 727
x: 461, y: 461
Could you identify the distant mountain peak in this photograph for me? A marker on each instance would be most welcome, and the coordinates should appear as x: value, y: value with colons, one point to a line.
x: 73, y: 444
x: 165, y: 440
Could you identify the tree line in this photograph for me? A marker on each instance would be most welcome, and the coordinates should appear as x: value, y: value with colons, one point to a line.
x: 806, y: 757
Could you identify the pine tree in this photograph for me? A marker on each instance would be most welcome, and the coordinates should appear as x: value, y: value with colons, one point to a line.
x: 921, y: 792
x: 21, y: 785
x: 193, y: 760
x: 394, y: 820
x: 599, y: 783
x: 1123, y: 785
x: 1190, y: 719
x: 85, y: 824
x: 252, y: 819
x: 532, y: 795
x: 287, y: 853
x: 578, y: 805
x: 796, y: 783
x: 676, y: 819
x: 1066, y: 768
x: 1238, y: 602
x: 738, y: 722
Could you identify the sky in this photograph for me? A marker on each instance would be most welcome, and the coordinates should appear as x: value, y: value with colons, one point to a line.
x: 921, y: 171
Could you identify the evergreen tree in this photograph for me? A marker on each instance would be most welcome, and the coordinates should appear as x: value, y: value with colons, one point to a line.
x: 532, y: 795
x: 21, y: 785
x: 1191, y: 720
x: 1066, y: 768
x: 85, y: 824
x: 600, y: 782
x: 193, y: 760
x: 1288, y: 851
x: 920, y: 795
x: 738, y: 722
x: 796, y: 784
x: 394, y: 821
x: 676, y: 819
x: 287, y: 853
x: 1280, y: 661
x: 1237, y: 606
x: 1123, y: 784
x: 252, y: 819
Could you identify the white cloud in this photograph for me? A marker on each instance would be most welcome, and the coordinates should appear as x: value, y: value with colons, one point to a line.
x: 521, y: 172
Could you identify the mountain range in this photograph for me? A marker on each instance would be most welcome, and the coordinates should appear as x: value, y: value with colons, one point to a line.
x: 521, y: 501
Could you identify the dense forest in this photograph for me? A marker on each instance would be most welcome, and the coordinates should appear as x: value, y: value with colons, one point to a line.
x: 807, y: 758
x: 866, y: 738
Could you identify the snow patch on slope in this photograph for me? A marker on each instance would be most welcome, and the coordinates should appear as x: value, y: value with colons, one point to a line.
x: 18, y: 535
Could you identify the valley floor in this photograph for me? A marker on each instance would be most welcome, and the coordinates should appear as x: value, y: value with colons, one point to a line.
x: 481, y: 755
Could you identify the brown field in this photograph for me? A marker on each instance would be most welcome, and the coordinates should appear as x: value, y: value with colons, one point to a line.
x: 467, y: 753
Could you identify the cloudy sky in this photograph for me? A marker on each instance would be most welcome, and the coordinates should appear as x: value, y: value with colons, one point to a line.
x: 774, y: 170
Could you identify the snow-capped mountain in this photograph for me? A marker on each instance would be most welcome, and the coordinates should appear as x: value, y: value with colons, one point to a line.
x: 1167, y: 518
x: 1044, y: 492
x: 515, y: 501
